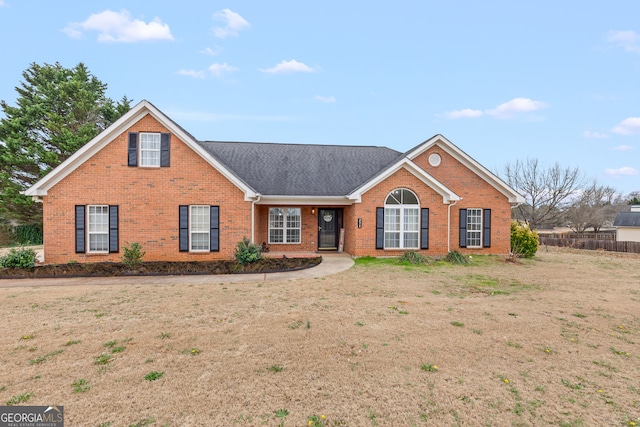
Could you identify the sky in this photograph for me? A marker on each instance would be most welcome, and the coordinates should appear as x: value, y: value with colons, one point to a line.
x: 557, y: 81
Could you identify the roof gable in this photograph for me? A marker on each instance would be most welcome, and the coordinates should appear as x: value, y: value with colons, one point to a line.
x: 135, y: 114
x: 469, y: 162
x: 447, y: 195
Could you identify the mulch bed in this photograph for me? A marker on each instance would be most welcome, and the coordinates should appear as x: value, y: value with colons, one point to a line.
x: 158, y: 268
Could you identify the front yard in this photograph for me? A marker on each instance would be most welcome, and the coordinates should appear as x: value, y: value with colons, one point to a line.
x: 551, y: 341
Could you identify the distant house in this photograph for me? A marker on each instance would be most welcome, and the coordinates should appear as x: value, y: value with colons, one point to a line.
x: 147, y: 180
x: 627, y: 225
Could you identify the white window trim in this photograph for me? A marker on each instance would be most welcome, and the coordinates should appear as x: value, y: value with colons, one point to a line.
x: 159, y: 150
x: 207, y: 232
x: 284, y: 226
x: 402, y: 231
x: 90, y: 233
x: 477, y: 232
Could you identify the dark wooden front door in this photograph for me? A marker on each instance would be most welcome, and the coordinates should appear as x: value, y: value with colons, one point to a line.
x: 328, y: 229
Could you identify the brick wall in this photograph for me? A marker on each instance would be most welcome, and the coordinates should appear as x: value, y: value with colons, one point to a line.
x: 148, y: 200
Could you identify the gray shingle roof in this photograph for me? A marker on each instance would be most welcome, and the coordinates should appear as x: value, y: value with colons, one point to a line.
x: 301, y: 170
x: 627, y: 219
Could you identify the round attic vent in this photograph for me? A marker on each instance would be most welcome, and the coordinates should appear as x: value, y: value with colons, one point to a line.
x: 435, y: 159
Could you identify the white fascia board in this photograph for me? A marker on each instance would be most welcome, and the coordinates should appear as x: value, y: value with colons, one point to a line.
x: 469, y: 162
x: 448, y: 196
x: 305, y: 200
x: 140, y: 110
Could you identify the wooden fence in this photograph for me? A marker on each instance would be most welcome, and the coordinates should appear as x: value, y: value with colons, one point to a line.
x: 592, y: 244
x: 581, y: 236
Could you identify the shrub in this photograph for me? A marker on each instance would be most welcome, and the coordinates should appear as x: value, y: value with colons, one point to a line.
x: 247, y: 252
x: 29, y: 234
x: 133, y: 254
x: 455, y: 257
x: 19, y: 258
x: 413, y: 257
x: 524, y: 241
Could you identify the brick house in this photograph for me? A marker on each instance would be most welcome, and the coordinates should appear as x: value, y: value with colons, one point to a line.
x: 145, y: 179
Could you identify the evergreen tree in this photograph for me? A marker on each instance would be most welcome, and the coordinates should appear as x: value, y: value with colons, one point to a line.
x: 58, y: 111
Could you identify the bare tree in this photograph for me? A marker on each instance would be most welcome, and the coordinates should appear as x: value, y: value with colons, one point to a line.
x: 595, y: 207
x: 546, y: 189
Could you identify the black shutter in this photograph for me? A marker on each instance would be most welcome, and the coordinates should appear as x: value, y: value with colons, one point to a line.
x: 80, y: 229
x: 114, y: 247
x: 463, y: 228
x: 486, y: 228
x: 165, y: 149
x: 214, y: 232
x: 379, y: 228
x: 133, y: 149
x: 424, y: 226
x: 184, y: 228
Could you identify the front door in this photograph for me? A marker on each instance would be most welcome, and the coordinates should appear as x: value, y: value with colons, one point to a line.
x: 328, y: 229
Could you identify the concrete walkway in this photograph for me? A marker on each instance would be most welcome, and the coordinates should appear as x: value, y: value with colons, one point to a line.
x: 331, y: 264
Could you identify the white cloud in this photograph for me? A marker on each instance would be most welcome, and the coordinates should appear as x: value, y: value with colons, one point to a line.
x: 628, y: 40
x: 467, y: 113
x: 234, y: 23
x: 515, y: 106
x: 628, y: 126
x: 192, y: 73
x: 120, y: 27
x: 211, y: 52
x: 219, y: 69
x: 623, y: 171
x: 594, y: 135
x: 2, y: 3
x: 325, y: 99
x: 292, y: 66
x: 623, y: 148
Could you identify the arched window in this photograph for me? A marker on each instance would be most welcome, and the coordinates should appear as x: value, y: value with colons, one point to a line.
x: 401, y: 220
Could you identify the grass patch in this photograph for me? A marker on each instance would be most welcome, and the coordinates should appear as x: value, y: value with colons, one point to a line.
x: 20, y: 398
x: 103, y: 359
x: 80, y: 385
x: 275, y: 368
x: 428, y: 367
x: 458, y: 324
x: 45, y: 357
x: 153, y: 375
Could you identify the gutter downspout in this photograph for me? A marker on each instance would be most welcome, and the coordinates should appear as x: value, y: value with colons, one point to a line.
x: 449, y: 225
x: 253, y: 218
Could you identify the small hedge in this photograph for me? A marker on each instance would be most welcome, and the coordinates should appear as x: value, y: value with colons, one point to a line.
x: 19, y: 258
x: 524, y: 241
x: 247, y: 252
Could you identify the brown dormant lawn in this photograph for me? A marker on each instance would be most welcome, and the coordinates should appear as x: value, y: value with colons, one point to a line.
x: 549, y: 341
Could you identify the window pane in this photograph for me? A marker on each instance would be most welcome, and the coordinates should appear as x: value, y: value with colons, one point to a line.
x: 98, y: 242
x: 293, y: 235
x: 391, y: 240
x: 410, y: 240
x: 276, y: 218
x: 408, y: 198
x: 392, y: 219
x: 276, y: 235
x: 199, y: 241
x: 411, y: 219
x: 293, y: 218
